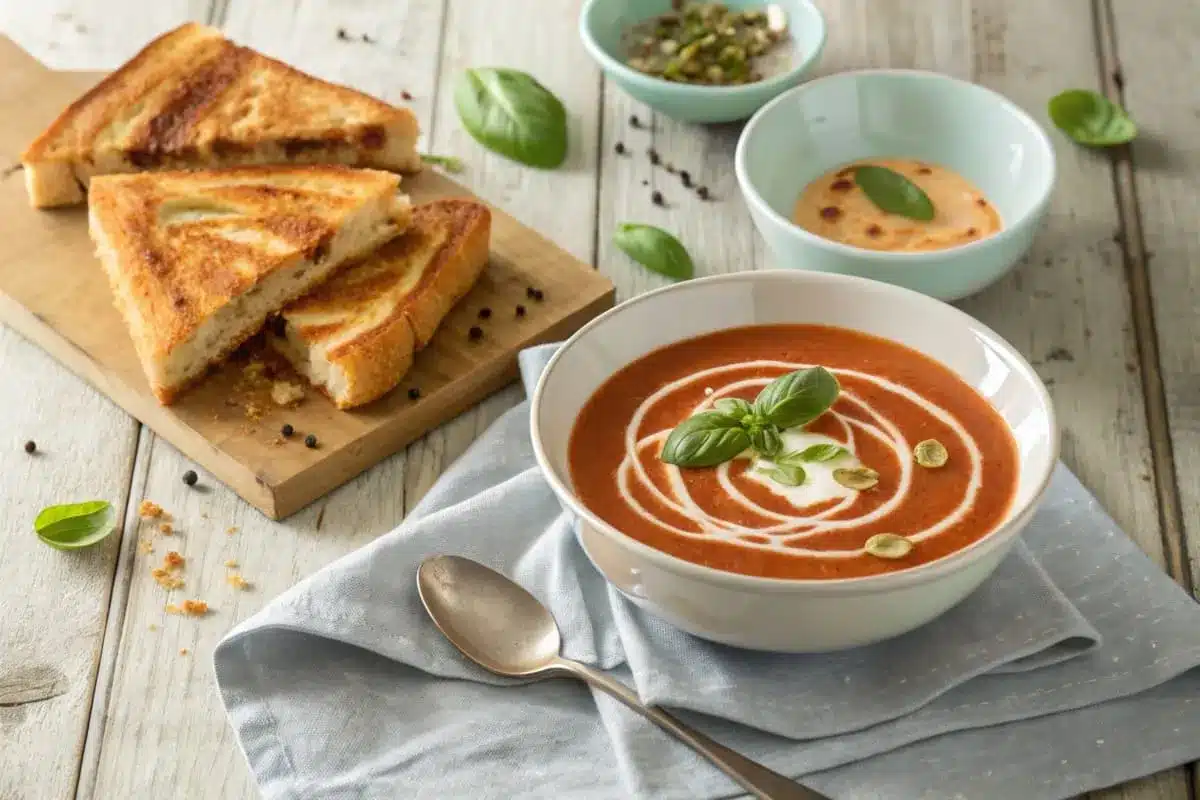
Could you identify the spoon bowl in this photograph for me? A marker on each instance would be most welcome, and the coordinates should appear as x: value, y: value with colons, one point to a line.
x: 494, y: 622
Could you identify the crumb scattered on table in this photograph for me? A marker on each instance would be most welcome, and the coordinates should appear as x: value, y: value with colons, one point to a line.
x: 145, y: 546
x: 231, y: 563
x: 238, y: 582
x: 166, y: 529
x: 286, y: 393
x: 232, y: 529
x: 191, y: 608
x: 153, y: 627
x: 183, y: 651
x: 254, y: 411
x: 167, y: 576
x: 151, y: 510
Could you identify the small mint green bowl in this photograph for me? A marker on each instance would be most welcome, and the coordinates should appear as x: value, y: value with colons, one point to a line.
x: 830, y: 121
x: 603, y: 21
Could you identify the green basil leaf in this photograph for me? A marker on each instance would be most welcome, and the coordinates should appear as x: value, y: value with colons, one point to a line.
x: 76, y: 525
x: 508, y: 111
x: 823, y: 452
x: 766, y: 440
x: 448, y: 163
x: 894, y: 193
x: 798, y: 397
x: 734, y: 407
x: 655, y: 249
x: 786, y: 475
x: 705, y: 440
x: 1091, y: 118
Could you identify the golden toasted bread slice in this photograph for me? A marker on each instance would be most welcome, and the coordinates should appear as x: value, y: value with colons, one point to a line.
x: 192, y: 99
x: 198, y: 260
x: 355, y: 336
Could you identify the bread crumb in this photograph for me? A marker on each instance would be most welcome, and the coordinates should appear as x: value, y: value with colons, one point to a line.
x: 183, y: 651
x: 166, y: 529
x: 203, y: 515
x: 285, y: 393
x: 253, y: 411
x: 145, y: 546
x: 150, y: 510
x: 238, y: 582
x: 254, y: 371
x: 192, y: 608
x: 167, y: 576
x: 231, y: 563
x: 153, y: 627
x: 232, y: 529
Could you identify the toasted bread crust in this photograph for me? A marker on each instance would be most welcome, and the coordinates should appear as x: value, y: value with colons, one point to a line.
x: 192, y: 98
x: 447, y: 245
x: 181, y: 247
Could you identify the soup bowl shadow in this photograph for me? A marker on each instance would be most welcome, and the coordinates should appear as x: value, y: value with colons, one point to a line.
x: 786, y: 615
x: 909, y: 114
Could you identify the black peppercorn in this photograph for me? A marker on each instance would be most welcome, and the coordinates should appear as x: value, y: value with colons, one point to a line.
x: 671, y: 168
x: 414, y: 393
x: 190, y: 477
x: 310, y: 441
x: 653, y: 155
x: 529, y: 291
x: 656, y: 198
x: 686, y: 177
x: 341, y: 33
x: 539, y: 295
x: 287, y: 430
x: 485, y: 312
x: 634, y: 121
x: 31, y: 447
x: 405, y: 95
x: 475, y: 334
x: 703, y: 192
x: 520, y: 310
x: 620, y: 148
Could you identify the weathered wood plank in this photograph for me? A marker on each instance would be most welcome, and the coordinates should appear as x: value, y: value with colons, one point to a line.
x: 163, y: 715
x: 75, y: 34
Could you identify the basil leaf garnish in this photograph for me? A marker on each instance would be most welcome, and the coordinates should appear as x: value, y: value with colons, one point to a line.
x: 76, y: 525
x: 766, y: 440
x: 894, y: 193
x: 1091, y: 118
x: 785, y: 474
x: 655, y: 249
x: 705, y: 440
x: 822, y: 452
x: 798, y: 397
x: 734, y: 407
x: 508, y: 111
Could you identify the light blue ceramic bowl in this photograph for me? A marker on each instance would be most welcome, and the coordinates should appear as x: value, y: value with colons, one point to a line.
x: 981, y: 135
x: 603, y: 21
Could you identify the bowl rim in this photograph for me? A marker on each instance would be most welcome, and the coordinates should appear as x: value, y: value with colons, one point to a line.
x: 909, y: 259
x: 778, y: 82
x: 921, y: 573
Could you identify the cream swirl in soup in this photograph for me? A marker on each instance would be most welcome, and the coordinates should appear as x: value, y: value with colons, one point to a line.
x: 735, y: 516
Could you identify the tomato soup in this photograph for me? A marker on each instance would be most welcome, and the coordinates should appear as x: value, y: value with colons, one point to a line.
x: 907, y: 465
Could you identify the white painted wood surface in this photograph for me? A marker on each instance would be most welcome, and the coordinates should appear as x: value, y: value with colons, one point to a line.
x: 150, y: 716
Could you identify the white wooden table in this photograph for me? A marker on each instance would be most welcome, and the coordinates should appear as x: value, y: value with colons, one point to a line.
x: 96, y: 699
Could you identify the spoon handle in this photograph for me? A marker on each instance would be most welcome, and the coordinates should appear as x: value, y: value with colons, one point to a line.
x: 752, y: 776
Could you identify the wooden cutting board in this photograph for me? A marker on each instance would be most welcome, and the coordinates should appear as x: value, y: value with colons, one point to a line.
x: 53, y: 291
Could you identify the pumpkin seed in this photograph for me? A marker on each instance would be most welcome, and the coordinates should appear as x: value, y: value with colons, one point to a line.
x: 888, y: 545
x: 857, y: 478
x: 931, y: 454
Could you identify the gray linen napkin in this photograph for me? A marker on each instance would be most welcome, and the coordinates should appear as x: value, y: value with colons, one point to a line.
x: 1072, y: 668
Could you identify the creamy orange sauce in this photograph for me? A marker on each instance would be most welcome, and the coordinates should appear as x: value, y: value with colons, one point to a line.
x: 835, y: 208
x: 731, y: 519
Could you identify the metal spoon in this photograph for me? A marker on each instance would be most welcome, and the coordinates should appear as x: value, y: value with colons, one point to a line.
x: 504, y: 629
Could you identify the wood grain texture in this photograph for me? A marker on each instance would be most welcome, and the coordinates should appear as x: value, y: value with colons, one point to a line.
x: 88, y: 335
x: 1165, y: 101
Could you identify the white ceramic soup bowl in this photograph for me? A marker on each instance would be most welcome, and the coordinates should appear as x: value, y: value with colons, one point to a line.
x: 782, y: 614
x: 814, y: 128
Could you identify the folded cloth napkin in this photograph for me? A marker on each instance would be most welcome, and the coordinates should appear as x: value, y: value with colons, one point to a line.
x: 1073, y: 667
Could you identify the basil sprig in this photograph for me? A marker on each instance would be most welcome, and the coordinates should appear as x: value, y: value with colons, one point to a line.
x: 714, y: 437
x: 508, y: 111
x: 892, y: 192
x: 75, y: 525
x: 1091, y: 118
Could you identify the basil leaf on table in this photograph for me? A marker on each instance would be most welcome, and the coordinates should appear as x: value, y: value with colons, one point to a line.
x: 1091, y: 118
x: 798, y: 397
x: 508, y: 111
x: 75, y: 525
x: 705, y: 440
x: 894, y: 193
x: 655, y: 249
